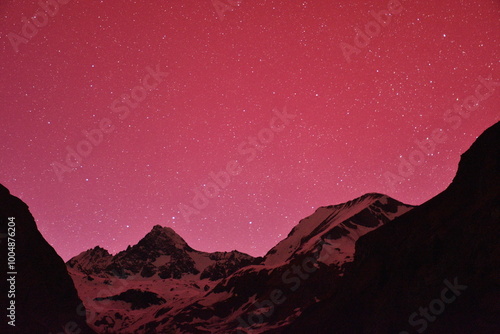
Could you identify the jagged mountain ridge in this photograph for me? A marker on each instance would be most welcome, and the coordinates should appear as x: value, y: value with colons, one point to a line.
x: 161, y: 268
x: 162, y: 253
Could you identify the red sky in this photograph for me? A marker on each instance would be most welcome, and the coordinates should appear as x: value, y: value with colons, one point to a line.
x: 360, y: 105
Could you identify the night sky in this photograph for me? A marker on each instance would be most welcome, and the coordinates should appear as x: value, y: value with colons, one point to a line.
x: 289, y: 105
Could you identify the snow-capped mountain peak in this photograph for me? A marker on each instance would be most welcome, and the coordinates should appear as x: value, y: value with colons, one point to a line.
x: 336, y: 227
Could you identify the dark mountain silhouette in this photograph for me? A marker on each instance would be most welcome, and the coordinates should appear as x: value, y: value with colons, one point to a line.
x: 450, y: 243
x: 46, y: 300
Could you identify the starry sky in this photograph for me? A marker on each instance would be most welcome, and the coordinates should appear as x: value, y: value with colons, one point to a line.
x: 229, y: 121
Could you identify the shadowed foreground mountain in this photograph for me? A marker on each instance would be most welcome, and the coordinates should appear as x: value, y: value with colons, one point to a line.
x: 46, y: 300
x: 435, y: 269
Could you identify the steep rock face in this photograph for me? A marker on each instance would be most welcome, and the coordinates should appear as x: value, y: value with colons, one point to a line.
x: 450, y: 243
x: 45, y: 297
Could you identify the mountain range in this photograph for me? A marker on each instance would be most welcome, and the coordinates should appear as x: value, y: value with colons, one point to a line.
x: 370, y: 265
x: 199, y: 292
